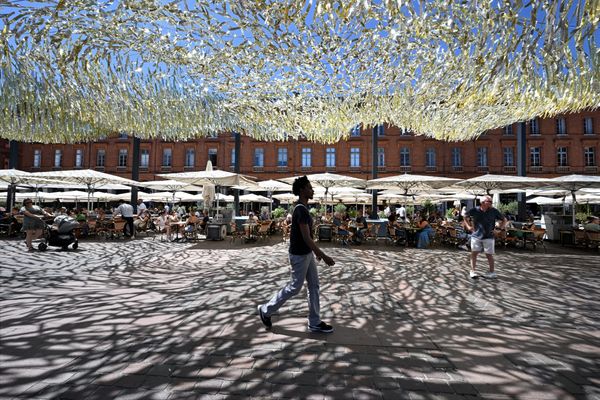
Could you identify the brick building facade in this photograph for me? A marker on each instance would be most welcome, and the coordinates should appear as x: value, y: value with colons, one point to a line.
x: 564, y: 144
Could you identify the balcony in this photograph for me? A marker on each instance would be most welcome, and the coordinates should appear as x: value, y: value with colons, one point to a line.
x: 381, y: 168
x: 189, y: 168
x: 565, y: 169
x: 430, y: 168
x: 405, y: 168
x: 258, y: 168
x: 122, y: 169
x: 306, y: 169
x: 166, y: 168
x: 483, y: 169
x: 283, y: 168
x: 99, y: 168
x: 590, y: 169
x: 509, y: 169
x: 536, y: 169
x: 457, y: 168
x: 331, y: 169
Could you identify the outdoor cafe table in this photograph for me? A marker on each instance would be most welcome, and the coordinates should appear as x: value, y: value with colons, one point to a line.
x: 521, y: 234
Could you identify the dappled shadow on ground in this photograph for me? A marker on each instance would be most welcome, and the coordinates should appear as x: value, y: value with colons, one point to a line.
x: 148, y: 319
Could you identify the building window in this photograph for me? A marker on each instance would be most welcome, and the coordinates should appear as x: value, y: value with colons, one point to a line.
x: 144, y: 158
x: 282, y: 157
x: 123, y: 136
x: 508, y: 131
x: 561, y: 126
x: 536, y: 156
x: 233, y: 156
x: 430, y: 157
x: 561, y: 154
x: 167, y: 157
x: 588, y: 126
x: 306, y: 157
x: 380, y: 157
x: 404, y: 132
x: 456, y: 157
x: 482, y: 157
x: 405, y: 157
x: 534, y: 126
x: 37, y: 158
x: 330, y: 157
x: 355, y: 157
x: 355, y: 131
x: 589, y: 156
x: 259, y: 157
x: 380, y: 130
x: 122, y: 158
x: 509, y: 157
x: 57, y: 158
x: 79, y: 158
x: 100, y: 157
x: 190, y: 158
x: 212, y: 156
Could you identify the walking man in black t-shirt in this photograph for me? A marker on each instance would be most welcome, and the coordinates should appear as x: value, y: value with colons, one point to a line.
x: 481, y: 222
x: 302, y: 262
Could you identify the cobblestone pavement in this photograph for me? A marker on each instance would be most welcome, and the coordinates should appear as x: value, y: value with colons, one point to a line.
x: 151, y: 320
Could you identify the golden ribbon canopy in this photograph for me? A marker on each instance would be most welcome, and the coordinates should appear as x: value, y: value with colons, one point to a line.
x: 76, y: 70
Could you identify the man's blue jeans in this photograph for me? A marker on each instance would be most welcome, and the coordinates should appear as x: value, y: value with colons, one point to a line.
x: 303, y: 267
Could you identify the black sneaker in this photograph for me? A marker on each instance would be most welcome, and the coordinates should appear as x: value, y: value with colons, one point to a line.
x: 322, y: 327
x: 265, y: 320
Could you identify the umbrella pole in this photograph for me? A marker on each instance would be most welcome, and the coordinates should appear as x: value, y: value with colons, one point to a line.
x: 574, y: 205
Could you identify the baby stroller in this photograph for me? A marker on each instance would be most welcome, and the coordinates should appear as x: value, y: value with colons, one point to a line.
x: 60, y: 233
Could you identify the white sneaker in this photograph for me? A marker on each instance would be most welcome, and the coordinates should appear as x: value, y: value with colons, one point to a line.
x: 491, y: 275
x: 473, y: 275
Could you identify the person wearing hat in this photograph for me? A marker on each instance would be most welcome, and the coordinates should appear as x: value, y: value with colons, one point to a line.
x: 480, y: 221
x: 593, y: 224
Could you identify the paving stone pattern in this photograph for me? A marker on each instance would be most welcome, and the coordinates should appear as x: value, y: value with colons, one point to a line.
x: 146, y: 319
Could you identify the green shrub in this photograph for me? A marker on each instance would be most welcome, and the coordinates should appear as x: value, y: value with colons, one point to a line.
x: 340, y: 208
x: 512, y: 207
x: 278, y: 212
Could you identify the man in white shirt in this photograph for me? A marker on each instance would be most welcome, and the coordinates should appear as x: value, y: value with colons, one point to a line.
x: 125, y: 210
x: 387, y: 211
x: 141, y: 206
x: 401, y: 211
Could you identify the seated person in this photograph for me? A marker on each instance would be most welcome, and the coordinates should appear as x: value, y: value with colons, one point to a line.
x: 425, y: 233
x: 593, y: 224
x: 163, y: 224
x: 342, y: 227
x: 141, y: 222
x: 204, y: 221
x: 192, y: 223
x: 397, y: 227
x: 361, y: 227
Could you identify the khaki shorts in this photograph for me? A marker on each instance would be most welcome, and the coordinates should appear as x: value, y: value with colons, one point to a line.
x: 485, y: 245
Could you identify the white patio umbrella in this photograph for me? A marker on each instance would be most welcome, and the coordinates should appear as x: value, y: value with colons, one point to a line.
x: 15, y: 177
x: 170, y: 185
x: 502, y: 183
x: 410, y: 183
x: 327, y: 180
x: 286, y: 198
x: 209, y: 177
x: 254, y: 198
x: 271, y: 186
x: 88, y: 177
x: 573, y: 183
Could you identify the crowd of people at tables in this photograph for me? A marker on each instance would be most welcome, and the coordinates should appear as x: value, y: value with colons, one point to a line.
x: 419, y: 228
